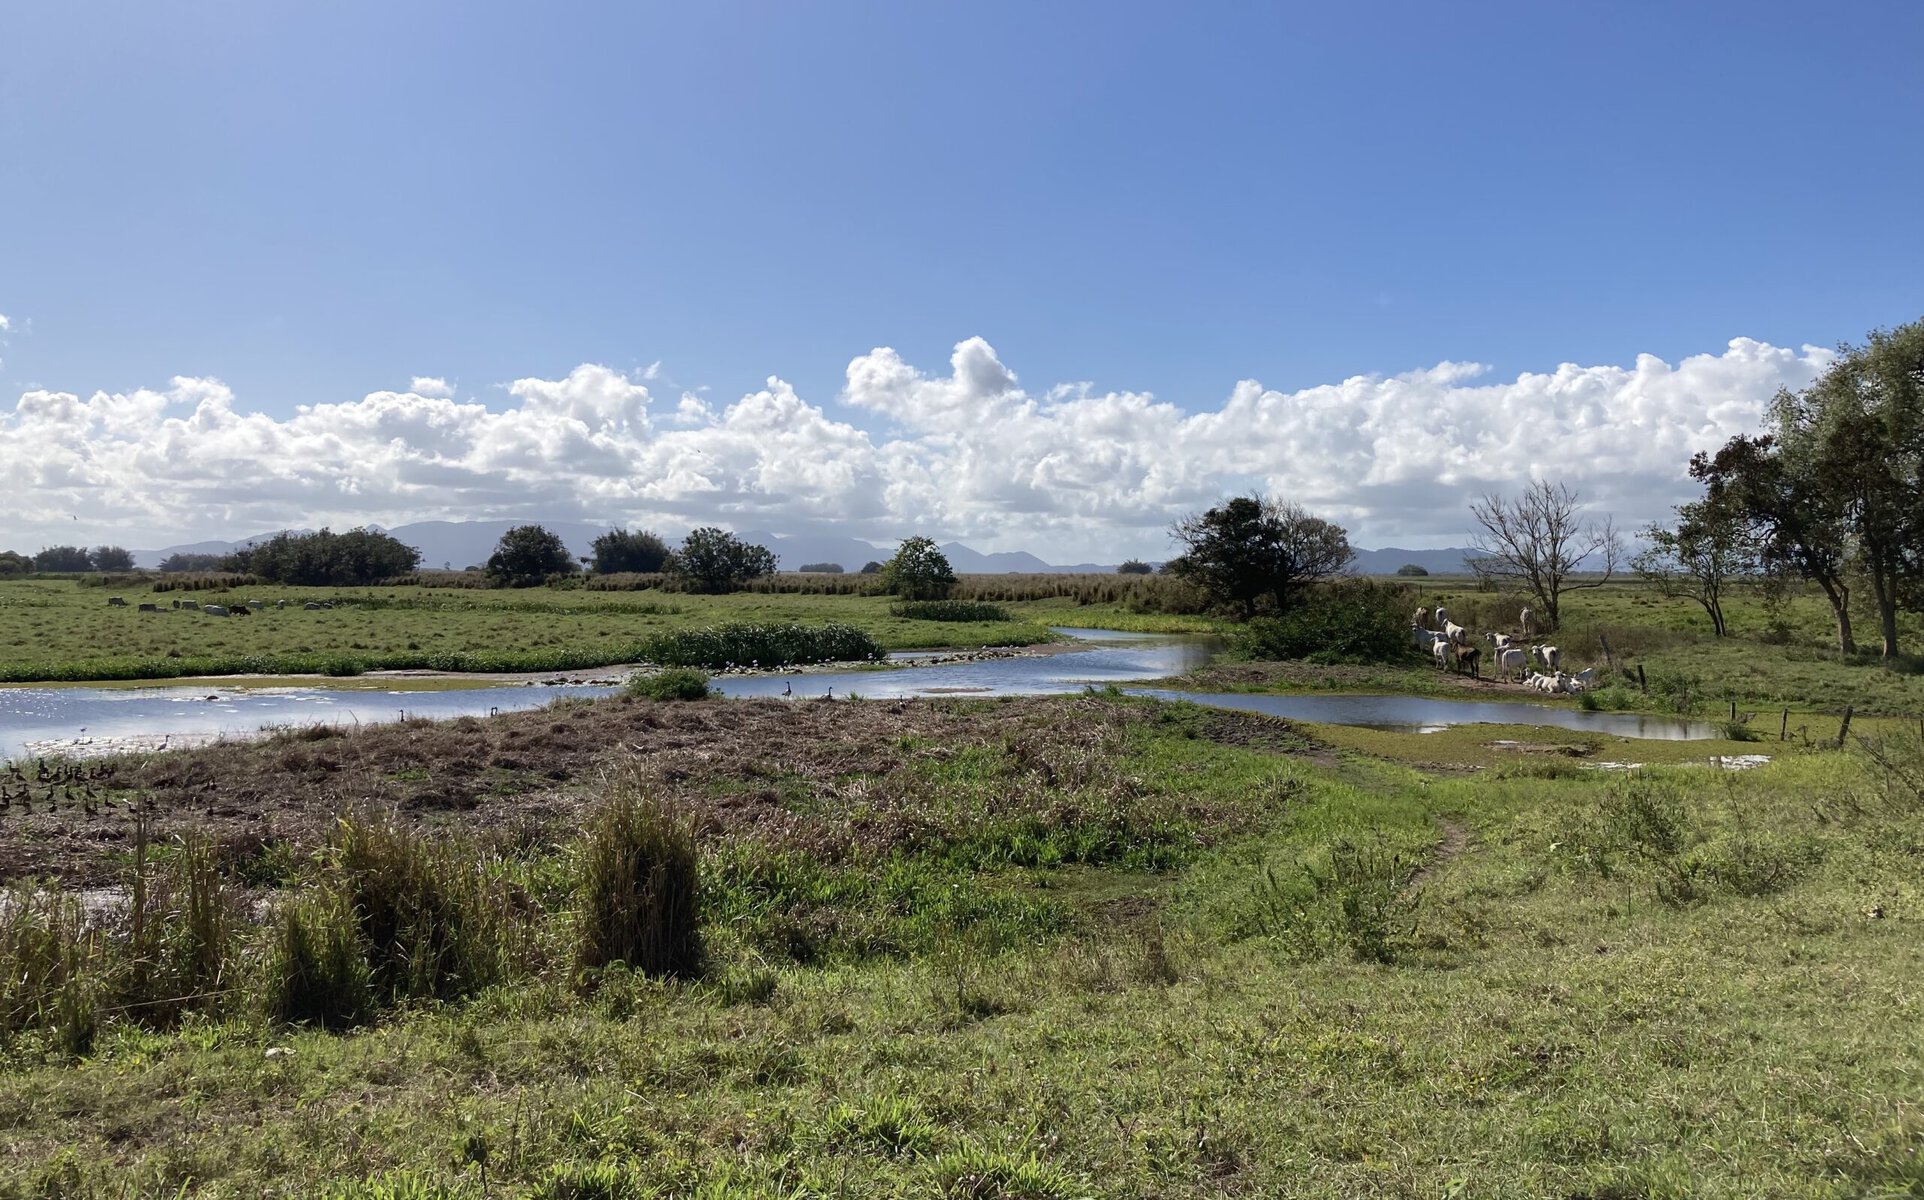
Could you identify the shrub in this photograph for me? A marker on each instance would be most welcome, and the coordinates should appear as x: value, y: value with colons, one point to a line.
x: 948, y: 610
x: 1349, y: 622
x: 676, y: 683
x: 825, y: 568
x: 749, y: 644
x: 1411, y: 570
x: 1134, y: 566
x: 639, y: 888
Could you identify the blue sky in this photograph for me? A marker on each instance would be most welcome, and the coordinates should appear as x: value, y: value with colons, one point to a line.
x: 309, y: 206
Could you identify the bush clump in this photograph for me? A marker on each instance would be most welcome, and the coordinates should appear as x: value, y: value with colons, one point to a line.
x: 640, y: 889
x: 746, y: 644
x: 676, y: 683
x: 948, y: 610
x: 1342, y: 623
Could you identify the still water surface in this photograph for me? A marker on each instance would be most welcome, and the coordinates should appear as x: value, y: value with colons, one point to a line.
x: 83, y: 720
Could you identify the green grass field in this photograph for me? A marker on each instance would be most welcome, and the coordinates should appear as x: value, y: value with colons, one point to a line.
x: 1300, y: 967
x: 54, y: 630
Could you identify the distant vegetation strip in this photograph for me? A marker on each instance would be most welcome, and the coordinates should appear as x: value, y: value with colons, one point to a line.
x: 949, y: 610
x: 743, y: 645
x: 749, y: 644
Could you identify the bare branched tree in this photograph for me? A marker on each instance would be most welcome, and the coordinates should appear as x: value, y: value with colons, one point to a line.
x: 1539, y: 541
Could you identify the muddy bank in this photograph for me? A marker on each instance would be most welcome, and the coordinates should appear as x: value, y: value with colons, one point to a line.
x: 830, y: 778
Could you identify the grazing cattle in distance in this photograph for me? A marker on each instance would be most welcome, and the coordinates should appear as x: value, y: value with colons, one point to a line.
x: 310, y: 606
x: 241, y: 610
x: 213, y: 610
x: 150, y: 608
x: 116, y: 602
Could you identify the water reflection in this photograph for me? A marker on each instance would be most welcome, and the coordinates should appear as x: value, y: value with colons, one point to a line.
x: 103, y: 720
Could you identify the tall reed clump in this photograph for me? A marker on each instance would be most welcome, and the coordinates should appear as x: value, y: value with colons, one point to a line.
x: 396, y: 917
x: 316, y: 971
x: 182, y: 945
x: 425, y: 909
x: 49, y: 966
x: 639, y: 885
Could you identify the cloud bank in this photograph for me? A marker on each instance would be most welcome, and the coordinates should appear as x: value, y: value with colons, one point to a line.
x: 1069, y: 473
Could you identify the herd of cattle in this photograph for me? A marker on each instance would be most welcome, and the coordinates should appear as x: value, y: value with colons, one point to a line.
x: 1451, y: 645
x: 218, y: 610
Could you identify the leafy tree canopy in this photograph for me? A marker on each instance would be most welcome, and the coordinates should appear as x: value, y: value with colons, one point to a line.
x: 919, y: 571
x: 13, y: 562
x: 110, y: 558
x: 1134, y: 566
x: 195, y: 562
x: 621, y: 550
x: 715, y: 560
x: 526, y: 555
x: 1251, y: 553
x: 63, y: 558
x: 326, y: 558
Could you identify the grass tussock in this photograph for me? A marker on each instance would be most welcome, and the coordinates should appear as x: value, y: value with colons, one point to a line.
x: 640, y: 894
x: 675, y: 683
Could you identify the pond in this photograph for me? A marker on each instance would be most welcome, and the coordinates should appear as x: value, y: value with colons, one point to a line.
x: 82, y: 720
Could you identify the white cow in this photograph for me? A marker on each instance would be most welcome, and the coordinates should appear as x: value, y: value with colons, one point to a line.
x: 1511, y: 658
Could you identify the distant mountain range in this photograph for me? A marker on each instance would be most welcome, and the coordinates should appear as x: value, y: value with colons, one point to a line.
x: 458, y: 544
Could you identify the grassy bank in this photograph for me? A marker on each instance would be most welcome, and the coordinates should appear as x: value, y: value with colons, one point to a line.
x: 55, y: 630
x: 1070, y: 947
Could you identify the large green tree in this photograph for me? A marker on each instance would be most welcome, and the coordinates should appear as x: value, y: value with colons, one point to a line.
x: 110, y: 558
x: 715, y: 560
x: 527, y: 555
x: 918, y: 571
x: 326, y: 558
x: 63, y: 558
x: 1250, y: 553
x: 1836, y: 487
x: 639, y: 550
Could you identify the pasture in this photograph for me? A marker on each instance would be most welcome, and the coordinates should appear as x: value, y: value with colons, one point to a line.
x: 55, y: 630
x: 1082, y: 946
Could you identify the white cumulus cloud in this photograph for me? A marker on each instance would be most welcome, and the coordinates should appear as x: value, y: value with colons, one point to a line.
x: 1068, y: 472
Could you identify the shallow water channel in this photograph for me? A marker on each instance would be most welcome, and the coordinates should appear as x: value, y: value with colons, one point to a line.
x: 83, y: 720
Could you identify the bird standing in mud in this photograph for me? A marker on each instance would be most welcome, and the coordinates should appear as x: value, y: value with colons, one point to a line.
x: 788, y: 689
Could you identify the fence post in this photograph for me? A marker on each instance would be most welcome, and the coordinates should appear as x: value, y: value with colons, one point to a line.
x: 1843, y: 731
x: 1783, y: 727
x: 1643, y: 684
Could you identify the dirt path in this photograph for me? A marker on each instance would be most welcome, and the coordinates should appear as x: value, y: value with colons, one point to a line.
x: 1456, y: 839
